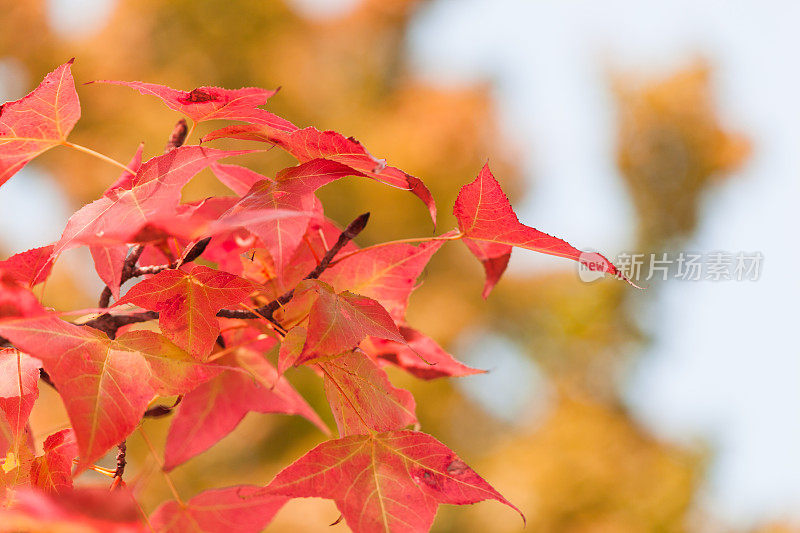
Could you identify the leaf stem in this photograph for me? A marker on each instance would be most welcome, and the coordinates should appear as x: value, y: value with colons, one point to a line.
x: 191, y: 130
x: 98, y: 155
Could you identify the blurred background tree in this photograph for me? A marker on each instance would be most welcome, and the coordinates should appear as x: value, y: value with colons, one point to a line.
x: 572, y: 457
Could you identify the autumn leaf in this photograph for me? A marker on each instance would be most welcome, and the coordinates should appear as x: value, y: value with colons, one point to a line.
x: 38, y: 121
x: 337, y: 323
x: 187, y: 303
x: 30, y: 267
x: 52, y: 472
x: 213, y: 103
x: 83, y: 509
x: 172, y: 370
x: 240, y: 509
x: 362, y: 398
x: 104, y: 388
x: 237, y: 178
x: 491, y: 228
x: 121, y: 214
x: 16, y: 300
x: 105, y: 384
x: 386, y: 482
x: 421, y: 356
x: 280, y: 235
x: 19, y: 389
x: 387, y: 274
x: 215, y: 408
x: 309, y: 143
x: 108, y: 261
x: 292, y: 191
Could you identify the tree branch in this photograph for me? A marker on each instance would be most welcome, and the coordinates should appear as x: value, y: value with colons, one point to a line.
x: 191, y: 254
x: 134, y: 253
x: 122, y: 449
x: 266, y: 311
x: 109, y: 324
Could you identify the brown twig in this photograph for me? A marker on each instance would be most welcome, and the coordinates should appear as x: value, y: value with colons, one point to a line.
x: 191, y: 254
x: 266, y: 311
x: 109, y: 324
x: 134, y: 253
x: 122, y: 449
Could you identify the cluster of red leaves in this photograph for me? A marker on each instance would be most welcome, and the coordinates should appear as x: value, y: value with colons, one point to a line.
x: 281, y: 286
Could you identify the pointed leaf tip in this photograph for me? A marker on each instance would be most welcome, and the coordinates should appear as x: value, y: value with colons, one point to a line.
x: 491, y: 229
x: 38, y: 121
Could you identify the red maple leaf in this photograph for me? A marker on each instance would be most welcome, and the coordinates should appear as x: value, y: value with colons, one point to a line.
x: 337, y: 323
x: 239, y: 509
x: 362, y: 398
x: 19, y: 380
x: 215, y: 408
x: 52, y: 472
x: 105, y: 389
x: 280, y: 235
x: 388, y: 273
x: 213, y: 103
x: 421, y: 356
x: 187, y: 303
x: 491, y: 228
x: 310, y: 143
x: 106, y: 384
x: 292, y: 191
x: 122, y: 213
x: 39, y: 121
x: 30, y: 267
x: 383, y: 482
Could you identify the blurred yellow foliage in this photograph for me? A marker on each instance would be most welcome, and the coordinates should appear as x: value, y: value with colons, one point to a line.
x: 670, y: 147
